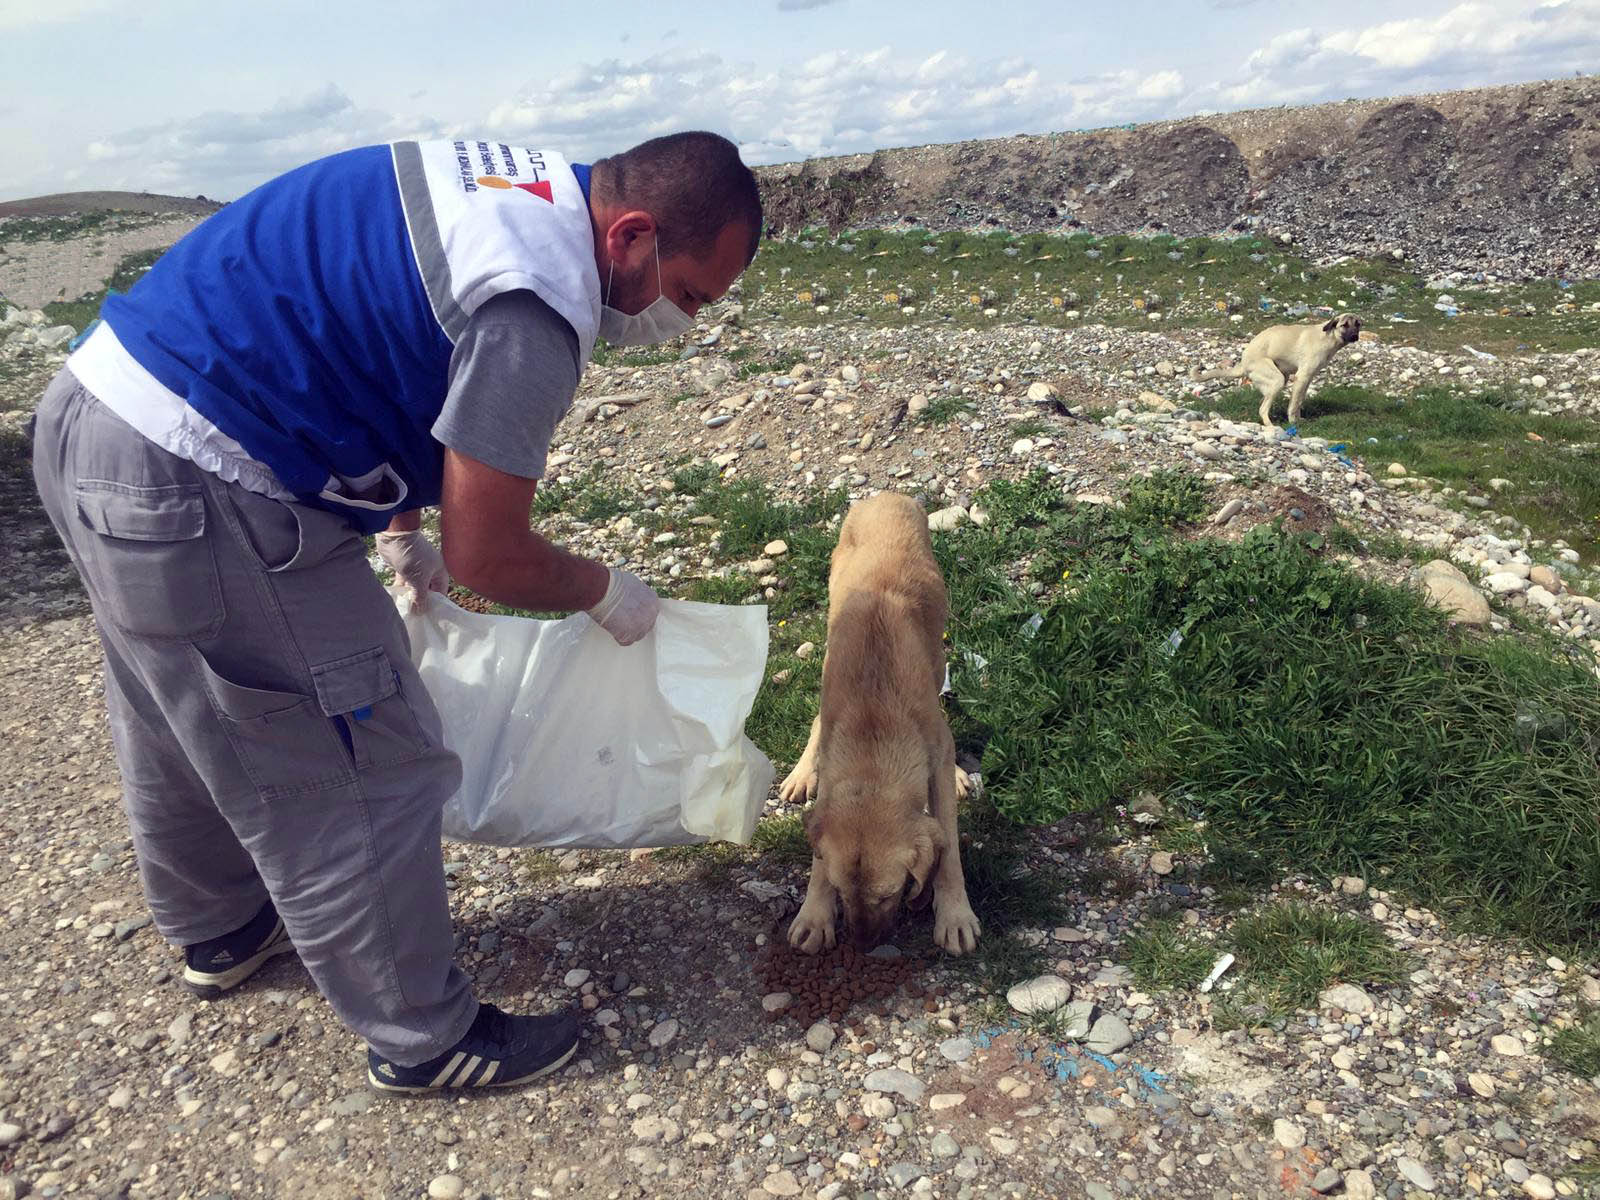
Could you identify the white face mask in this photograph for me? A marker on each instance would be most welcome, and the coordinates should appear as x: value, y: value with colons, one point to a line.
x: 660, y: 321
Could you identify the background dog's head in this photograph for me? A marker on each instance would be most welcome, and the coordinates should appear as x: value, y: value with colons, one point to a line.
x: 879, y: 850
x: 1348, y: 326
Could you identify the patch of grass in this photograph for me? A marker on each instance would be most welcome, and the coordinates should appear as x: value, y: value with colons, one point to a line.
x: 1167, y: 497
x: 1466, y: 439
x: 782, y: 840
x: 538, y: 866
x: 1163, y: 957
x: 942, y: 410
x: 1316, y: 719
x: 588, y: 497
x: 1578, y: 1047
x: 733, y: 588
x: 1289, y: 953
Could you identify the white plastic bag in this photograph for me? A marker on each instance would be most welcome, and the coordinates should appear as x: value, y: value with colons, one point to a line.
x: 569, y: 740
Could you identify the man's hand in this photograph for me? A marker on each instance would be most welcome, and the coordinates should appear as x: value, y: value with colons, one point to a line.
x: 629, y: 608
x: 416, y: 563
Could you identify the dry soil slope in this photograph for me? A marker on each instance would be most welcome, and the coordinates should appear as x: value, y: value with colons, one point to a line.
x: 1504, y: 178
x: 64, y: 204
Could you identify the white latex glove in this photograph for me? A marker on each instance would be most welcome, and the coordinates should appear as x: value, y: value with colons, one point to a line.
x: 628, y: 609
x: 416, y: 563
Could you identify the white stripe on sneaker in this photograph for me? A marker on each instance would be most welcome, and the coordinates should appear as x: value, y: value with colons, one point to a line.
x: 473, y: 1064
x: 449, y: 1069
x: 489, y: 1072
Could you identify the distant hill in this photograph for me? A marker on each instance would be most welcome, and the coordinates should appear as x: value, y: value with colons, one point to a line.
x: 1504, y: 179
x: 64, y: 204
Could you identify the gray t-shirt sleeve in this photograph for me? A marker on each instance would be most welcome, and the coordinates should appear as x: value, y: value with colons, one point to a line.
x: 512, y: 377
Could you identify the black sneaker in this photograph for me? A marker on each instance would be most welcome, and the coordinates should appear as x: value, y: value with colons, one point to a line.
x: 499, y: 1050
x: 223, y: 963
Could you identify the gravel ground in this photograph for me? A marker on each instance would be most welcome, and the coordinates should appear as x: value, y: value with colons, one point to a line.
x: 36, y: 273
x: 692, y: 1077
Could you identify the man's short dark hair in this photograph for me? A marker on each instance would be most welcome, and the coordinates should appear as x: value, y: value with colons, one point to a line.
x: 694, y: 184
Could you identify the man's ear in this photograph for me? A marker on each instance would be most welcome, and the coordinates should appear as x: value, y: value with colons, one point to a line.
x: 1328, y: 328
x: 630, y: 239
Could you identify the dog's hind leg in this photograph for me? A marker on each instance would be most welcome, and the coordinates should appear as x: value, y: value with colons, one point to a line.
x: 1297, y: 396
x: 955, y: 925
x: 1271, y: 381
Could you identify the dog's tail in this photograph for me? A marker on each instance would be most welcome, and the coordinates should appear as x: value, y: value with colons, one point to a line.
x: 1199, y: 376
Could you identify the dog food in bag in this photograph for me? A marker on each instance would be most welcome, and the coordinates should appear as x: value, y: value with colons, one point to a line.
x: 569, y: 740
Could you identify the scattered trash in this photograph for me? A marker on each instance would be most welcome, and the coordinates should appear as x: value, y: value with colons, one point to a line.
x: 1170, y: 645
x: 1483, y: 354
x: 1031, y: 626
x: 1403, y: 319
x: 1222, y: 964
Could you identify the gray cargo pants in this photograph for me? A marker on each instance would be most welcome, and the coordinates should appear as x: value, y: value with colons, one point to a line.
x: 273, y: 736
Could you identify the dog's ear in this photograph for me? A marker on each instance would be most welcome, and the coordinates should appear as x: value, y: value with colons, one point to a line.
x: 812, y: 824
x: 926, y: 849
x: 1332, y: 321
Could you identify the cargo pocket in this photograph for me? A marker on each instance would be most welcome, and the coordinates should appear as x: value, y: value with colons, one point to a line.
x: 364, y: 697
x: 285, y: 742
x: 151, y: 566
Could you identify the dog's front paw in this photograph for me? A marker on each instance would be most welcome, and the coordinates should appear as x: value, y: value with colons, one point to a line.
x: 963, y: 784
x: 812, y: 931
x: 799, y: 786
x: 956, y: 928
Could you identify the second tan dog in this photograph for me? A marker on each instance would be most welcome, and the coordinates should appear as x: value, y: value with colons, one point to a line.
x: 1283, y: 352
x: 880, y: 763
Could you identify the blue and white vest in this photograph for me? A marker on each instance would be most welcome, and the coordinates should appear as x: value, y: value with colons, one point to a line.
x: 299, y: 340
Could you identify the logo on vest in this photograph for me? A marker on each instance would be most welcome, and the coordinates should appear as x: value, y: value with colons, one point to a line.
x: 501, y: 169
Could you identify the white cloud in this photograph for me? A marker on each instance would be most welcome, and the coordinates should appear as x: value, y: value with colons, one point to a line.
x: 1473, y: 44
x: 27, y: 14
x: 226, y: 153
x: 850, y: 101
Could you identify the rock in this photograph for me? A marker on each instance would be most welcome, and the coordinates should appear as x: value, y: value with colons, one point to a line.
x: 1166, y: 368
x: 1288, y: 1134
x: 181, y: 1029
x: 446, y: 1187
x: 1516, y: 1170
x: 1043, y: 994
x: 1415, y: 1173
x: 10, y: 1135
x: 1397, y: 470
x: 576, y: 978
x: 1075, y: 1019
x: 1505, y: 583
x: 805, y: 650
x: 663, y: 1033
x: 944, y: 1146
x: 1022, y: 447
x: 1481, y: 1084
x: 1161, y: 863
x: 352, y: 1104
x: 955, y: 1049
x: 1504, y: 1043
x: 946, y: 1100
x: 1003, y: 1146
x: 1358, y: 1185
x: 663, y: 1130
x: 1099, y: 1116
x: 226, y: 1064
x: 777, y: 1078
x: 895, y: 1082
x: 1041, y: 393
x: 880, y: 1108
x: 1327, y: 1179
x: 1450, y: 590
x: 820, y: 1037
x: 1546, y: 578
x: 776, y: 549
x: 1109, y: 1034
x: 56, y: 335
x: 1229, y: 511
x: 1348, y: 997
x: 718, y: 420
x: 781, y: 1183
x: 126, y: 929
x: 947, y: 518
x: 1540, y: 382
x: 120, y: 1098
x: 1540, y: 1187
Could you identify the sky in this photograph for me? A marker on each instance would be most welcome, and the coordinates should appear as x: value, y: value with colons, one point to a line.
x: 213, y: 97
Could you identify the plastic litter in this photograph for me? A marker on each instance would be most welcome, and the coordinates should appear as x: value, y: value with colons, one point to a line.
x: 1031, y: 626
x: 1222, y: 964
x: 569, y: 740
x: 1169, y: 644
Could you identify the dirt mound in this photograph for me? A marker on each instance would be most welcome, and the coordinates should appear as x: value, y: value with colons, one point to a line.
x: 1497, y: 179
x: 63, y: 204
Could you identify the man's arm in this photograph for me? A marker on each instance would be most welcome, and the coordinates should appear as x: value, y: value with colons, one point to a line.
x: 489, y: 547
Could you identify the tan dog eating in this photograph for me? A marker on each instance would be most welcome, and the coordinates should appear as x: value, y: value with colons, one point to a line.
x: 1283, y: 352
x: 880, y: 762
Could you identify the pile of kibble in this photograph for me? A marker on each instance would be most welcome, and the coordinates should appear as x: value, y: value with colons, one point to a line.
x: 831, y: 984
